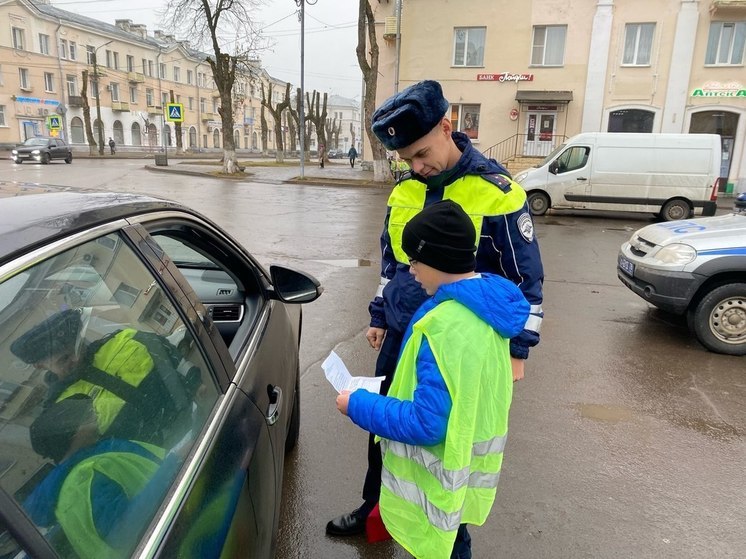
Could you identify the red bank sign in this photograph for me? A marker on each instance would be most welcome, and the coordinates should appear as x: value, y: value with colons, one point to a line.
x: 505, y: 77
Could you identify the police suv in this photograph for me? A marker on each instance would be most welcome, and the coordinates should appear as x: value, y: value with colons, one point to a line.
x: 695, y: 266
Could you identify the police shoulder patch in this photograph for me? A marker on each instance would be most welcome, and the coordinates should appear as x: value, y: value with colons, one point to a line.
x: 526, y: 227
x: 500, y: 181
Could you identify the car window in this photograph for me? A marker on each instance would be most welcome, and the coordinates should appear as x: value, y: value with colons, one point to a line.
x: 103, y: 392
x: 572, y: 159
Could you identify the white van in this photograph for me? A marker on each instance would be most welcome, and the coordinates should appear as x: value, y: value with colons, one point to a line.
x: 673, y: 176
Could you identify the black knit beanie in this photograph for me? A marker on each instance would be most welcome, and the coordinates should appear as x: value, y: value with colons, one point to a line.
x: 441, y: 236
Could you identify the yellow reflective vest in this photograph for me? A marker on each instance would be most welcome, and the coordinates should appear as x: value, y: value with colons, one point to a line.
x: 427, y: 492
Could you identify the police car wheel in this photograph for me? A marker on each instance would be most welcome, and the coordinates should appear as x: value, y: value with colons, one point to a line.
x: 538, y: 203
x: 719, y: 319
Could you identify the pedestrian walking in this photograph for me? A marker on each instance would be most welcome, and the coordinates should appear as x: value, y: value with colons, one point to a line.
x: 352, y: 154
x: 322, y: 155
x: 443, y: 165
x: 444, y: 423
x: 112, y: 145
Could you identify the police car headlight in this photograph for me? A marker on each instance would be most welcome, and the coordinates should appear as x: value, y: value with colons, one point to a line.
x: 520, y: 176
x: 677, y: 253
x: 36, y: 152
x: 14, y: 152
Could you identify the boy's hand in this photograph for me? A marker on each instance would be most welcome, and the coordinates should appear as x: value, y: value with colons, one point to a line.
x: 517, y: 366
x: 375, y: 337
x: 343, y: 400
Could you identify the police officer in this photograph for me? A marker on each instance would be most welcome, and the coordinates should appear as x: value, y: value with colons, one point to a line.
x: 443, y: 165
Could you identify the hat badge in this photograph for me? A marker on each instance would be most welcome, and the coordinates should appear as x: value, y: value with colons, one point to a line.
x: 391, y: 131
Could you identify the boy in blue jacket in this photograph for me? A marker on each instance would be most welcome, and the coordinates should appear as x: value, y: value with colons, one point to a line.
x: 444, y: 422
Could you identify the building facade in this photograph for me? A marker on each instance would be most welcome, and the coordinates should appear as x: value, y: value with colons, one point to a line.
x: 347, y: 114
x: 523, y: 76
x: 132, y: 76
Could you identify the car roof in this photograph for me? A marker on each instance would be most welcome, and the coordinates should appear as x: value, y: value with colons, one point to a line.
x: 33, y: 214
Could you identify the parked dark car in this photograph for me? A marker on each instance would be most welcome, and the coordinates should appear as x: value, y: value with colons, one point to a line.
x: 336, y: 154
x: 135, y: 291
x: 43, y: 150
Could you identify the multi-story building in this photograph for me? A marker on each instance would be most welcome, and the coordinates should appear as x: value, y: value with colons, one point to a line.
x: 522, y: 76
x: 132, y: 76
x: 347, y: 114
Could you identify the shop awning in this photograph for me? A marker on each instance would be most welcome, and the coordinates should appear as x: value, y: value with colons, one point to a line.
x: 533, y: 96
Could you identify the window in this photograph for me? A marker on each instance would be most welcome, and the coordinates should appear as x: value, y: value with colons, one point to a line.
x: 465, y: 118
x: 638, y: 44
x: 73, y: 51
x: 23, y: 78
x: 96, y: 307
x: 109, y: 61
x: 202, y: 105
x: 164, y: 98
x: 191, y: 103
x: 48, y: 82
x: 215, y: 106
x: 177, y: 74
x: 19, y: 39
x: 178, y: 98
x: 90, y: 54
x: 2, y: 115
x: 468, y: 46
x: 145, y: 66
x: 43, y: 43
x: 72, y: 85
x: 150, y: 68
x: 114, y: 91
x: 116, y: 60
x: 572, y: 159
x: 162, y: 70
x: 133, y: 94
x: 726, y: 43
x: 149, y: 97
x: 190, y: 77
x: 631, y: 120
x: 548, y: 45
x: 130, y: 63
x: 94, y: 88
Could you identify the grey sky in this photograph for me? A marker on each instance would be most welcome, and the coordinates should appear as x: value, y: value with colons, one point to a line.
x: 330, y: 38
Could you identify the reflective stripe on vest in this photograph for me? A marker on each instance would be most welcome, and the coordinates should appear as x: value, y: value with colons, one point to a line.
x: 130, y: 471
x: 123, y: 357
x: 428, y: 491
x: 478, y: 197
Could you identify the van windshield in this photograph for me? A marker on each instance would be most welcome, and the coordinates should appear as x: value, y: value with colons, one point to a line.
x: 552, y: 155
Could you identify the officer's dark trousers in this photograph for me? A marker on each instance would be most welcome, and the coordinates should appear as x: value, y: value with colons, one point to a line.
x: 385, y: 367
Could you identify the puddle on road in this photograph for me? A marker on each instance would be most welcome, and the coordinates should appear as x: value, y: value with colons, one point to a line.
x: 602, y: 412
x: 348, y: 263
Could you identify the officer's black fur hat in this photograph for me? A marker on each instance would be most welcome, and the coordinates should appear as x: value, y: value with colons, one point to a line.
x: 50, y: 337
x: 408, y: 115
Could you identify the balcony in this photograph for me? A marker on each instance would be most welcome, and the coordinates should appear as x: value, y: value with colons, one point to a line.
x: 135, y: 77
x: 208, y: 116
x: 75, y: 101
x: 732, y: 6
x: 120, y: 106
x: 154, y: 109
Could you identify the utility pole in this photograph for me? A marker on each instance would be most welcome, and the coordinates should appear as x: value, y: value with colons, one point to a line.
x: 98, y: 99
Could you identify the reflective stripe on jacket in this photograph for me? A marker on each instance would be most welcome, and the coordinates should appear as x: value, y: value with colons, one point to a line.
x: 427, y: 492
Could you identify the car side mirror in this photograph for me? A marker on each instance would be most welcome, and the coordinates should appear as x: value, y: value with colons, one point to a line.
x: 292, y: 286
x: 554, y: 167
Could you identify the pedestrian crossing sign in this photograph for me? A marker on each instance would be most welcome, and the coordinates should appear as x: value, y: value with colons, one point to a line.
x: 175, y: 112
x: 53, y: 122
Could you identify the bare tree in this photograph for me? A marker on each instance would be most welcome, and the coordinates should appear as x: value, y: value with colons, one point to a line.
x: 207, y: 22
x: 265, y: 131
x: 276, y: 113
x: 295, y: 114
x: 332, y: 128
x: 87, y: 115
x: 366, y: 23
x: 352, y: 135
x: 317, y: 115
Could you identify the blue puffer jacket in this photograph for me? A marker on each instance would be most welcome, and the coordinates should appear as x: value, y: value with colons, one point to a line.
x: 503, y: 249
x: 423, y: 421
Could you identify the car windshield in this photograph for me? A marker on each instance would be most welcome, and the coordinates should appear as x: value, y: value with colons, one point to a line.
x: 36, y: 142
x: 551, y: 156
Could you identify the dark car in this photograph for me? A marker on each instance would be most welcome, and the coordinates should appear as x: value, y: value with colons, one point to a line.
x: 43, y: 150
x: 336, y: 154
x: 149, y: 387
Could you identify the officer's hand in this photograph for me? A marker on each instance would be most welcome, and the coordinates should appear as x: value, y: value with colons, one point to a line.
x: 517, y: 366
x: 375, y: 337
x: 343, y: 400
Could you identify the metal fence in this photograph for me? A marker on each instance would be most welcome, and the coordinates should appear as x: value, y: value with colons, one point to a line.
x: 525, y: 145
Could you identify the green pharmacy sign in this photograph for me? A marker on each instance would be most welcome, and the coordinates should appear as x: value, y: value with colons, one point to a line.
x: 716, y: 89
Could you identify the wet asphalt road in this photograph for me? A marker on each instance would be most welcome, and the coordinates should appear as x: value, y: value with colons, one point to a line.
x: 627, y: 437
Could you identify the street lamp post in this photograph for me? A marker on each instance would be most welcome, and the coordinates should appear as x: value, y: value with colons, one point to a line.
x: 302, y: 5
x: 98, y: 99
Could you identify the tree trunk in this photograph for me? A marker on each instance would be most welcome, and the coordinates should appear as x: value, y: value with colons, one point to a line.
x: 92, y: 145
x: 265, y: 130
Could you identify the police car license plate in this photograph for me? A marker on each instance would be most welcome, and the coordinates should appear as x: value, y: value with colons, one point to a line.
x: 626, y: 266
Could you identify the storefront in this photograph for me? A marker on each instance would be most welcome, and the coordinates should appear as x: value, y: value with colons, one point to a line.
x: 542, y: 120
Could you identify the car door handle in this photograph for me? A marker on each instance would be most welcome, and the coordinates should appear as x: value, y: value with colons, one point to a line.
x: 581, y: 179
x: 275, y: 404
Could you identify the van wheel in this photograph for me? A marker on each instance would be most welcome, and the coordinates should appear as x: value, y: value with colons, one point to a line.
x: 675, y: 209
x: 538, y: 203
x: 719, y: 319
